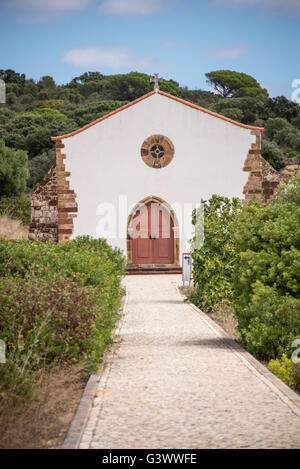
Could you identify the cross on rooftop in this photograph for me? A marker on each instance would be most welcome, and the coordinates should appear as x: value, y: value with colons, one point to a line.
x: 156, y: 81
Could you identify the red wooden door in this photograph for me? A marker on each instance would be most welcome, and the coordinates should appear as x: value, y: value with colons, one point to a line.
x: 153, y: 235
x: 141, y: 242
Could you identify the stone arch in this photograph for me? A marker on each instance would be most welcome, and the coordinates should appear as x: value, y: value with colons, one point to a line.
x: 174, y: 219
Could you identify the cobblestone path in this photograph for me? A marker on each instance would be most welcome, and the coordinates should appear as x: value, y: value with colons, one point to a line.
x: 174, y: 383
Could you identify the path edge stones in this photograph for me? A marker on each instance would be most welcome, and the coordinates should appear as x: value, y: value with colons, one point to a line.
x: 284, y: 392
x: 78, y: 424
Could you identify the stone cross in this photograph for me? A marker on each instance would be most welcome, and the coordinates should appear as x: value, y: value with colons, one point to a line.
x: 156, y: 81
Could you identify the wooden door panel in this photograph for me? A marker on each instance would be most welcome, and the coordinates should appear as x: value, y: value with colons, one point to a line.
x: 163, y: 249
x: 144, y: 248
x: 152, y: 221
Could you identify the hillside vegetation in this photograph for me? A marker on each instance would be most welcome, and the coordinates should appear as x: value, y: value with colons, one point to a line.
x: 35, y: 111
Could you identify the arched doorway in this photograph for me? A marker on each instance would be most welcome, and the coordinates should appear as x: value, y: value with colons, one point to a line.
x: 152, y: 234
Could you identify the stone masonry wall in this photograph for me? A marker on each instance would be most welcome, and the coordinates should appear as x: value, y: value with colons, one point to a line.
x: 263, y: 180
x: 67, y: 206
x: 44, y: 213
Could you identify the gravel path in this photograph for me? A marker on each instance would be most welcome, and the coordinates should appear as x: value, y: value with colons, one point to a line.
x: 174, y: 383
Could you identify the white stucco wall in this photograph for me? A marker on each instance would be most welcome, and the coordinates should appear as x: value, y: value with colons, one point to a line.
x: 105, y: 162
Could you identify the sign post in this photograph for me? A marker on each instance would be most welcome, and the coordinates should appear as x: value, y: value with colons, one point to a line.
x: 186, y: 267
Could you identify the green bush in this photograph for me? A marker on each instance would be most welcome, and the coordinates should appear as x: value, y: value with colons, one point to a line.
x: 272, y: 153
x: 213, y: 263
x: 17, y: 208
x: 13, y: 171
x: 43, y: 323
x: 288, y: 192
x: 267, y: 278
x: 269, y: 323
x: 284, y: 369
x: 39, y: 166
x: 58, y: 305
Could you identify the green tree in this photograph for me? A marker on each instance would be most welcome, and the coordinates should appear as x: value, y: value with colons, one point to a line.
x: 13, y: 171
x: 86, y: 77
x: 39, y: 165
x: 11, y: 98
x: 32, y: 131
x: 246, y: 110
x: 10, y: 76
x: 272, y: 153
x: 235, y: 84
x: 281, y: 107
x: 46, y: 82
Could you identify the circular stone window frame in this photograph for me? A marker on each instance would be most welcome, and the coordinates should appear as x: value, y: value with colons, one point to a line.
x: 168, y: 150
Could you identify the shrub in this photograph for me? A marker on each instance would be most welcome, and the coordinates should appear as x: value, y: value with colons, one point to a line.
x: 13, y: 171
x: 288, y: 192
x: 17, y: 208
x: 46, y: 321
x: 283, y: 133
x: 266, y: 278
x: 274, y: 125
x: 59, y: 303
x: 269, y: 323
x: 284, y: 369
x: 213, y: 263
x: 272, y: 153
x: 39, y: 166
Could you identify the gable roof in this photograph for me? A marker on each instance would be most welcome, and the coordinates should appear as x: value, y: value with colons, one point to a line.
x: 167, y: 95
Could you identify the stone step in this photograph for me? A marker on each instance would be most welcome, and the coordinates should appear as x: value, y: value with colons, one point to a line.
x: 153, y: 271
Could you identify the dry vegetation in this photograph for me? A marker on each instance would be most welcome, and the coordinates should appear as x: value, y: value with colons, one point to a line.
x: 222, y: 313
x: 12, y: 229
x: 43, y: 421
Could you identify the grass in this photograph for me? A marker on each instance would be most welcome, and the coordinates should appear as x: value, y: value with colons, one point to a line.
x: 12, y: 229
x: 222, y: 313
x: 43, y: 421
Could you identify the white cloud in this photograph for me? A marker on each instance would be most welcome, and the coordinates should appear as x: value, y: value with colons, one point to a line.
x: 132, y: 7
x: 231, y: 52
x: 115, y: 57
x: 273, y: 6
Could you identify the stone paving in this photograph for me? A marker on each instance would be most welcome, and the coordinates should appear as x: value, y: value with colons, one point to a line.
x: 173, y: 383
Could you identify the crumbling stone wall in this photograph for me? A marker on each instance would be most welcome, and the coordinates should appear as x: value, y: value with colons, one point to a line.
x: 67, y: 206
x: 44, y: 213
x: 263, y: 180
x: 53, y: 204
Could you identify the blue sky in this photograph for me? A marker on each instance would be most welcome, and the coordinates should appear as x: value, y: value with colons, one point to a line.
x: 180, y: 39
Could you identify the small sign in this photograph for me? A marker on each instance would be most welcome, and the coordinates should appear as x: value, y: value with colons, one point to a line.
x: 186, y: 267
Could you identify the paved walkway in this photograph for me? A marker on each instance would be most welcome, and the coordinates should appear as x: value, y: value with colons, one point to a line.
x: 174, y: 383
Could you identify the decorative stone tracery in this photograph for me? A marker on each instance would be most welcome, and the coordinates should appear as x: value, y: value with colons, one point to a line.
x: 157, y: 151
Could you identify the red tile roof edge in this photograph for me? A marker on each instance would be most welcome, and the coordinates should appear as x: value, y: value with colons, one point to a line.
x: 207, y: 111
x: 141, y: 98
